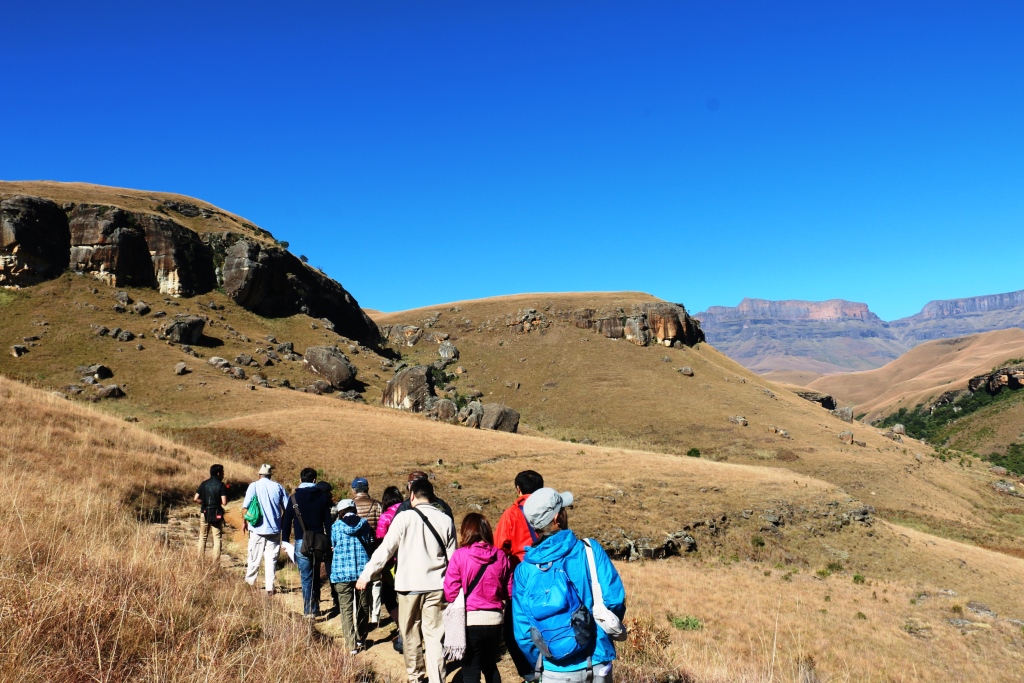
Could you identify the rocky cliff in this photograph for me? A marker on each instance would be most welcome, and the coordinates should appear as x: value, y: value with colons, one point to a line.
x: 958, y: 317
x: 149, y: 246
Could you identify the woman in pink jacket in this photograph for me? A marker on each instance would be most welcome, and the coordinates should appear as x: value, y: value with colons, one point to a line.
x: 390, y: 501
x: 484, y: 573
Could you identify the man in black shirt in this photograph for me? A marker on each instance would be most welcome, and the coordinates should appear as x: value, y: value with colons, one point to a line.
x: 212, y: 495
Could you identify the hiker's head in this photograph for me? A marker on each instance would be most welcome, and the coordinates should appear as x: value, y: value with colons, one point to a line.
x: 391, y: 496
x: 528, y: 481
x: 345, y: 507
x: 415, y: 476
x: 307, y: 475
x: 360, y: 485
x: 545, y: 511
x: 217, y: 471
x: 475, y: 528
x: 325, y: 487
x: 421, y: 491
x: 266, y: 469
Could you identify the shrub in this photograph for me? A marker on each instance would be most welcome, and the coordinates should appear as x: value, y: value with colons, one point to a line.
x: 834, y: 566
x: 858, y: 578
x: 686, y: 623
x: 693, y: 452
x: 860, y: 615
x: 757, y: 541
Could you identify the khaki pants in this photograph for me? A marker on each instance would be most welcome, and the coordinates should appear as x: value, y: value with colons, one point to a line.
x: 205, y: 531
x: 421, y: 622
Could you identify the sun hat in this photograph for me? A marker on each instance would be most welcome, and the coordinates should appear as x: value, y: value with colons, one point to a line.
x: 543, y: 505
x: 344, y: 505
x: 266, y: 469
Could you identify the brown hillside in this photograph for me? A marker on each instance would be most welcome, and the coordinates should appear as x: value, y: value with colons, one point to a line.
x: 923, y: 373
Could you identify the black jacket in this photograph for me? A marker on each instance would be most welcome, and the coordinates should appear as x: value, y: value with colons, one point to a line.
x: 210, y: 493
x: 315, y: 507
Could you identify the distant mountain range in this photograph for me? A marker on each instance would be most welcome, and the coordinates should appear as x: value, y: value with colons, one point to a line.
x: 826, y: 337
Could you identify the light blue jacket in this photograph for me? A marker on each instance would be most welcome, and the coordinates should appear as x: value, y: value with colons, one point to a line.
x: 565, y: 550
x: 273, y: 501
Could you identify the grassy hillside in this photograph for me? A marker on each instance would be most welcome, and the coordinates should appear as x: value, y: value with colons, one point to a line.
x: 923, y: 373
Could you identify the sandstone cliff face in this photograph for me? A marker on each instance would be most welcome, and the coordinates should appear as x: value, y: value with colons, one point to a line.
x: 958, y: 317
x: 761, y: 309
x: 34, y: 240
x: 131, y: 248
x: 661, y: 323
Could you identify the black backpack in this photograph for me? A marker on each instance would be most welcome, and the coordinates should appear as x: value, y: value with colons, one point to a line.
x: 213, y: 513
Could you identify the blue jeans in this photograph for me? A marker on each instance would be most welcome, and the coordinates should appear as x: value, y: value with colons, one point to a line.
x: 309, y: 573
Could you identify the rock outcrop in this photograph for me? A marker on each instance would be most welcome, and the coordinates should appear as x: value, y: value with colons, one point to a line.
x: 34, y: 240
x: 1010, y: 377
x: 272, y: 282
x: 411, y: 389
x: 331, y: 364
x: 661, y: 323
x: 824, y: 400
x: 499, y: 417
x: 186, y: 329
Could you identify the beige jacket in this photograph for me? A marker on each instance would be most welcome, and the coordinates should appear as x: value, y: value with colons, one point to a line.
x: 421, y: 562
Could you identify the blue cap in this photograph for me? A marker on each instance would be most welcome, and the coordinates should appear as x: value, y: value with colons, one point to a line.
x: 360, y: 483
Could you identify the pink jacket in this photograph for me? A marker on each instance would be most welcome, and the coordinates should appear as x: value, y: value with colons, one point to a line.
x: 385, y: 519
x: 493, y: 588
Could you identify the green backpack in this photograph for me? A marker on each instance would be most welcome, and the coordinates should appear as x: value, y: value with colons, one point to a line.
x: 253, y: 512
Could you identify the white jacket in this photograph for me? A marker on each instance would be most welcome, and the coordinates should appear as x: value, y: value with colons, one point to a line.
x: 421, y: 562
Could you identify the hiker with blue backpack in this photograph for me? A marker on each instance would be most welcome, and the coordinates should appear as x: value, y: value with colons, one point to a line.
x: 568, y: 600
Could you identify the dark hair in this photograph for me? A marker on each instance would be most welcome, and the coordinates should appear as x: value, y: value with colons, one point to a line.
x: 307, y: 475
x: 475, y: 528
x: 528, y: 482
x: 421, y: 488
x: 391, y: 496
x: 217, y: 471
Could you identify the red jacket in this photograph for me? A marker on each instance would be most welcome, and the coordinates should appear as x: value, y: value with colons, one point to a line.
x: 513, y: 534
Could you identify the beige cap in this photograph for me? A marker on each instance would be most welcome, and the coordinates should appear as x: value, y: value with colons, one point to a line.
x: 266, y: 469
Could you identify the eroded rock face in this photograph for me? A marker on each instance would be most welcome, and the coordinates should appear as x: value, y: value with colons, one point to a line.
x: 331, y: 364
x: 126, y: 248
x: 443, y: 410
x: 661, y: 322
x: 34, y: 240
x: 272, y: 282
x: 402, y: 335
x: 411, y: 389
x: 499, y: 417
x: 824, y: 400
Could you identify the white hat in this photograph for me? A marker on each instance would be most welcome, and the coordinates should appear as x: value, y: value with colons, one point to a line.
x: 344, y: 505
x: 543, y: 505
x: 266, y: 469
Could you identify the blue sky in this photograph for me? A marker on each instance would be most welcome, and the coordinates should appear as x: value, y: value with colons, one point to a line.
x: 424, y: 152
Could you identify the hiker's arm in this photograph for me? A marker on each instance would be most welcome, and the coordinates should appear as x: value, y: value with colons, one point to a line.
x: 248, y: 498
x: 223, y: 501
x: 521, y: 626
x: 503, y: 533
x: 613, y: 592
x: 286, y: 523
x: 197, y: 499
x: 452, y: 581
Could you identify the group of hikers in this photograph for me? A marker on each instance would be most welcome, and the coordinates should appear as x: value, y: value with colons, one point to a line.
x: 556, y: 601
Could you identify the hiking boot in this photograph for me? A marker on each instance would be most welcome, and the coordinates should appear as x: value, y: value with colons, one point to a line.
x: 397, y: 644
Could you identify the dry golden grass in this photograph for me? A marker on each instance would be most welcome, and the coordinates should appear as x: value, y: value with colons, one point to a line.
x: 925, y: 372
x: 88, y: 592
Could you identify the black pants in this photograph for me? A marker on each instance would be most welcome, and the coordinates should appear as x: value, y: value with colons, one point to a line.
x: 523, y: 666
x: 482, y: 645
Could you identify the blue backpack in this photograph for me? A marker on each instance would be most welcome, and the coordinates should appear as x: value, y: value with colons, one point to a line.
x: 560, y: 624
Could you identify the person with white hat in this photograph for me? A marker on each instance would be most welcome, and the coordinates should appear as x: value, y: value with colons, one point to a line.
x: 561, y: 587
x: 267, y: 500
x: 352, y: 538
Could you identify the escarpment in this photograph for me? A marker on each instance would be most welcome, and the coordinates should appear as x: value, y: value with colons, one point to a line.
x: 149, y: 248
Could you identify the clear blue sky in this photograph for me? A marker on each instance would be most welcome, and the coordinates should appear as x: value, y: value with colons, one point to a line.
x: 423, y: 152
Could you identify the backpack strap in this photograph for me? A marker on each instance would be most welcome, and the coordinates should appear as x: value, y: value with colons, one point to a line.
x: 533, y: 534
x: 437, y: 536
x: 479, y: 576
x: 298, y: 514
x: 595, y: 585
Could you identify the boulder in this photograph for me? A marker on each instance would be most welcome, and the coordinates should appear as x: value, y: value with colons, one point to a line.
x: 899, y: 429
x: 219, y: 363
x: 331, y: 364
x: 738, y: 420
x: 18, y: 350
x: 824, y: 400
x: 187, y: 329
x: 499, y: 417
x: 685, y: 370
x: 125, y: 336
x: 236, y: 373
x: 443, y: 410
x: 272, y: 282
x: 141, y: 308
x: 410, y: 389
x: 448, y: 352
x: 845, y: 413
x: 35, y: 241
x: 846, y: 437
x: 97, y: 371
x: 401, y: 335
x: 110, y: 391
x: 123, y: 298
x: 286, y: 348
x: 181, y: 369
x: 350, y: 395
x: 472, y: 414
x: 243, y: 359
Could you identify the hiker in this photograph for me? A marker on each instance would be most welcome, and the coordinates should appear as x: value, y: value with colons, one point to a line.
x: 514, y: 535
x: 424, y: 538
x: 369, y: 509
x: 326, y: 487
x: 263, y: 507
x: 479, y: 575
x: 212, y: 496
x: 571, y: 653
x: 308, y: 513
x: 353, y: 540
x: 437, y: 502
x: 390, y: 501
